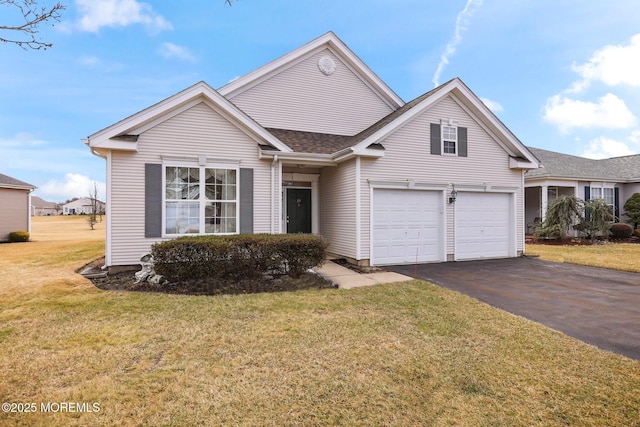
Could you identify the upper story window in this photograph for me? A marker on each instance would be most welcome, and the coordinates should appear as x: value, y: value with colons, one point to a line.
x: 200, y: 200
x: 449, y: 139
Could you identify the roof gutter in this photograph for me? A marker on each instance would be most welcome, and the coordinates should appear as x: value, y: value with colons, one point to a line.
x: 94, y: 151
x: 310, y: 159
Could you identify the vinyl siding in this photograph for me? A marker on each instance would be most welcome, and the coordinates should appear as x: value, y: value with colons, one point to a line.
x: 199, y: 131
x: 338, y: 208
x: 303, y: 98
x: 14, y: 215
x: 407, y: 157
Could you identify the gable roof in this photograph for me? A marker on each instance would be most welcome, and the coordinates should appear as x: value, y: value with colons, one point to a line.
x: 560, y: 165
x: 40, y: 203
x: 123, y: 135
x: 327, y: 41
x: 469, y: 102
x: 8, y: 182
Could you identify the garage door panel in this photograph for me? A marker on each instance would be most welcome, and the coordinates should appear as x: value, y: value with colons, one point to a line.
x: 407, y: 226
x: 484, y: 225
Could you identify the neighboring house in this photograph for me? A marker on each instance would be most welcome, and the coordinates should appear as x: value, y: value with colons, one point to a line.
x: 614, y: 180
x: 82, y: 206
x: 15, y: 206
x: 40, y: 207
x: 315, y: 142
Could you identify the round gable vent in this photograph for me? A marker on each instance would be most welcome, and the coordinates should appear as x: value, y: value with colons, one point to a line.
x: 326, y: 65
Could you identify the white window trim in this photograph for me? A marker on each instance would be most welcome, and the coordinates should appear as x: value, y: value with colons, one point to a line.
x: 448, y: 124
x: 201, y: 201
x: 601, y: 186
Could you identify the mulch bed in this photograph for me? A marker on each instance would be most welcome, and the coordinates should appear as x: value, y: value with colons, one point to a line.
x: 125, y: 281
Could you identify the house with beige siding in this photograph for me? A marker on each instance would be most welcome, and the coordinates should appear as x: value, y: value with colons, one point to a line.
x: 316, y: 142
x: 40, y: 207
x: 613, y: 180
x: 15, y: 206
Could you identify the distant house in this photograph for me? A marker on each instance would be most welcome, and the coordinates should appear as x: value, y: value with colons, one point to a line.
x: 315, y: 142
x: 40, y: 207
x: 614, y: 180
x: 82, y: 206
x: 15, y: 203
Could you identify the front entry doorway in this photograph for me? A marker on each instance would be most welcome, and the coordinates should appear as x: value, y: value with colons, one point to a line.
x: 298, y: 214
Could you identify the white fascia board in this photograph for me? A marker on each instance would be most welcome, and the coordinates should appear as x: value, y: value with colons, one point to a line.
x: 387, y: 130
x: 308, y: 159
x: 349, y: 153
x: 336, y: 45
x: 463, y: 93
x: 172, y: 106
x: 460, y: 93
x: 515, y: 163
x: 552, y: 182
x: 18, y: 187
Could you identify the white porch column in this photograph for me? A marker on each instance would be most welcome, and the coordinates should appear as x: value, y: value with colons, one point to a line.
x: 544, y: 202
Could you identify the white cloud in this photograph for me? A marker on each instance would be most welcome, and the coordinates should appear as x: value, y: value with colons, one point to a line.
x: 73, y: 185
x: 118, y: 13
x: 22, y: 140
x: 603, y: 148
x: 609, y: 112
x: 171, y: 50
x: 493, y: 105
x: 612, y: 65
x: 462, y: 23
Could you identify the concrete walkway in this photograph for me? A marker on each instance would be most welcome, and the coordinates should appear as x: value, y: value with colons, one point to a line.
x: 346, y: 278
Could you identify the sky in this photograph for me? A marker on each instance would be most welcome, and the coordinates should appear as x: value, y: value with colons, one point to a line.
x: 563, y: 75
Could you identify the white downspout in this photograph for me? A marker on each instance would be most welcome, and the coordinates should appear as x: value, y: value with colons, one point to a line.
x: 358, y: 212
x: 273, y: 193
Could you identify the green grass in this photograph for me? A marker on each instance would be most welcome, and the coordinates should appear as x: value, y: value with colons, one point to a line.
x: 617, y: 256
x: 398, y: 354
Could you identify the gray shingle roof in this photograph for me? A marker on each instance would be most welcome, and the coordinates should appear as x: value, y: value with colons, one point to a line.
x: 560, y: 165
x: 7, y: 181
x: 312, y: 142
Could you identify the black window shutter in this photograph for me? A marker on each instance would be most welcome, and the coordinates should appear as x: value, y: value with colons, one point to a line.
x: 246, y: 201
x: 462, y: 142
x: 587, y: 196
x: 152, y: 200
x: 616, y: 203
x: 435, y: 139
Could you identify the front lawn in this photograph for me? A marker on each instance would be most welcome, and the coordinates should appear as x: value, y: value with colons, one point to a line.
x: 618, y: 256
x: 398, y: 354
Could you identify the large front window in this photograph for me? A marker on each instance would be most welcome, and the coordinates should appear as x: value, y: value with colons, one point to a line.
x: 604, y: 193
x: 200, y: 200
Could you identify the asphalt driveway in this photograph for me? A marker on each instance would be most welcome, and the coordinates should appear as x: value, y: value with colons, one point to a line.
x: 596, y: 305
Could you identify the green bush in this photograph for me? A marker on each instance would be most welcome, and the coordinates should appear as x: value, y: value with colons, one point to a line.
x: 621, y: 230
x: 19, y: 236
x: 237, y: 257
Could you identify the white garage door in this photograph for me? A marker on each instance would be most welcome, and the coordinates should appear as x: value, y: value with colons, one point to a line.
x: 407, y: 226
x: 484, y: 225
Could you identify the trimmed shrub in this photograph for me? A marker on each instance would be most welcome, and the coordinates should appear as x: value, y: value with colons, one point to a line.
x: 19, y: 236
x: 621, y: 230
x: 237, y: 257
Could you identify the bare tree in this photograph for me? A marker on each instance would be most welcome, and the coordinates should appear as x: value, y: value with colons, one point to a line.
x: 30, y: 15
x: 95, y: 203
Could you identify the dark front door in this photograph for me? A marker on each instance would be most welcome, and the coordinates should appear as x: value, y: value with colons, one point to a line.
x: 298, y: 210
